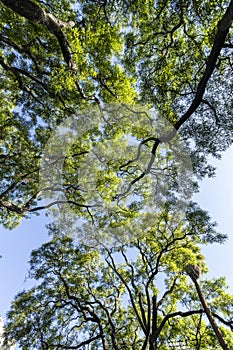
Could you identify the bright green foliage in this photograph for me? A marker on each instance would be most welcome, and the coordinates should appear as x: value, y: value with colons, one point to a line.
x: 19, y: 172
x: 100, y: 164
x: 62, y: 57
x: 83, y: 297
x: 116, y: 59
x: 44, y: 88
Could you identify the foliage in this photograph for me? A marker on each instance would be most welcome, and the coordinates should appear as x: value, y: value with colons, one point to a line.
x: 59, y: 58
x: 125, y: 77
x: 100, y: 299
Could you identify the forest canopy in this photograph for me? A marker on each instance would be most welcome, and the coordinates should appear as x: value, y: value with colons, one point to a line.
x: 110, y: 112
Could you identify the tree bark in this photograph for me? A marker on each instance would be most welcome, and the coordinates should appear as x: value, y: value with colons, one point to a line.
x: 210, y: 316
x: 222, y: 30
x: 36, y: 14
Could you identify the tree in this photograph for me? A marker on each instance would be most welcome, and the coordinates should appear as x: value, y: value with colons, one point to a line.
x: 117, y: 59
x: 62, y: 58
x: 129, y: 297
x: 32, y: 68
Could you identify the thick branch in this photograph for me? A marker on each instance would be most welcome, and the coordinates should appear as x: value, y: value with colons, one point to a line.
x: 111, y: 324
x: 36, y: 14
x: 210, y: 317
x: 229, y: 46
x: 84, y: 309
x: 194, y: 273
x: 222, y: 30
x: 157, y: 331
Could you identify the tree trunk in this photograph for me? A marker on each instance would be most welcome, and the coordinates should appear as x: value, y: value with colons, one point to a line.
x: 211, y: 317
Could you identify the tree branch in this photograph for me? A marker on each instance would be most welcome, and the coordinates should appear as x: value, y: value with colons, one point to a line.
x: 84, y: 308
x: 223, y: 28
x: 112, y: 265
x: 209, y: 314
x: 36, y: 14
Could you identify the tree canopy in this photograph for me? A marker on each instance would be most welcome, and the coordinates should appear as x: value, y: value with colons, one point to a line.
x: 136, y: 297
x: 110, y: 111
x: 58, y: 58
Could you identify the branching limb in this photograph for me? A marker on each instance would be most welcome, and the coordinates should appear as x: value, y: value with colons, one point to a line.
x: 36, y: 14
x: 167, y: 292
x: 208, y: 312
x: 222, y: 31
x: 112, y: 265
x: 84, y: 308
x: 229, y: 46
x: 23, y: 49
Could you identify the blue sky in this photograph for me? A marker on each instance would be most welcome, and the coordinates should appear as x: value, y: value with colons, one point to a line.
x: 15, y: 248
x: 216, y: 196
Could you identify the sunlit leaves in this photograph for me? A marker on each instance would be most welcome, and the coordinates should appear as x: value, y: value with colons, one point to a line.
x: 81, y: 293
x: 94, y: 53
